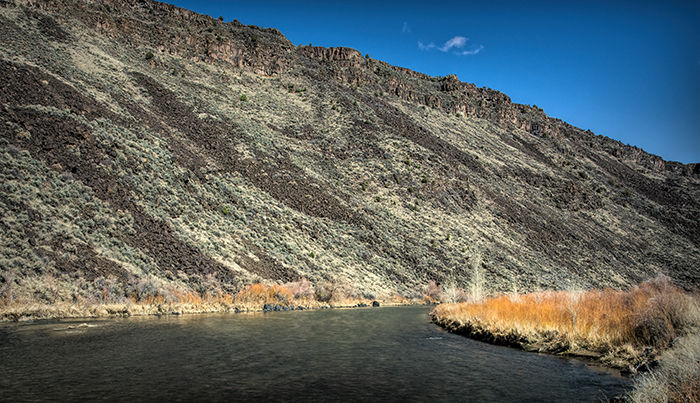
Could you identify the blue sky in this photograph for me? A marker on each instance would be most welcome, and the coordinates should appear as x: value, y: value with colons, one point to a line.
x: 629, y: 70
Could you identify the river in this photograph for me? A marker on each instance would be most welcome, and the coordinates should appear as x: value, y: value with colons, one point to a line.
x: 387, y: 354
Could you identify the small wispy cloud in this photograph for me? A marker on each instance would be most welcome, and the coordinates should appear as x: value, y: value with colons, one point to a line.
x: 455, y: 45
x: 423, y: 46
x: 406, y: 28
x: 456, y: 42
x: 472, y: 52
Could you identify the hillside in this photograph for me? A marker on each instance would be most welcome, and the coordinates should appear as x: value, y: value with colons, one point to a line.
x: 145, y: 146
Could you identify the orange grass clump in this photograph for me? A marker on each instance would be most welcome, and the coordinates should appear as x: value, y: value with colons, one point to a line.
x: 647, y: 315
x: 252, y: 294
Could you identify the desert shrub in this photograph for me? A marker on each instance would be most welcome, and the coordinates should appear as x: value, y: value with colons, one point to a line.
x: 143, y: 288
x: 342, y: 291
x: 324, y: 291
x: 434, y: 291
x: 301, y: 288
x: 455, y: 294
x: 279, y: 294
x: 149, y: 55
x: 108, y: 289
x: 244, y: 97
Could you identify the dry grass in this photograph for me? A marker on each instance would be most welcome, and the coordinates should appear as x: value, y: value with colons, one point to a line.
x: 678, y: 377
x: 149, y: 296
x: 254, y: 296
x: 651, y: 314
x: 618, y: 325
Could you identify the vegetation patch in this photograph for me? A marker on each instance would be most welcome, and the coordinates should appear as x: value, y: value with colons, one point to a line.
x: 652, y: 324
x: 149, y: 295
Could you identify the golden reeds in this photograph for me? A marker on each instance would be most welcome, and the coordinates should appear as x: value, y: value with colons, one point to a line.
x: 651, y: 314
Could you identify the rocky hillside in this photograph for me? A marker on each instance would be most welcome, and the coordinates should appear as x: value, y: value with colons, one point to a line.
x: 144, y: 145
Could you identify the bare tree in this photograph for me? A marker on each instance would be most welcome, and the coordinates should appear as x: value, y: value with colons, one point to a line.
x: 477, y: 286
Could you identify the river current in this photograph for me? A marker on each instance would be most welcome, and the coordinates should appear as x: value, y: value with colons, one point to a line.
x: 387, y: 354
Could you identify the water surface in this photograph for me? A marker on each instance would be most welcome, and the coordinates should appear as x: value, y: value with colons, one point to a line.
x: 391, y: 354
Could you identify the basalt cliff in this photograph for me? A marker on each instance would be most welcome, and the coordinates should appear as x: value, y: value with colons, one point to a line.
x: 143, y: 145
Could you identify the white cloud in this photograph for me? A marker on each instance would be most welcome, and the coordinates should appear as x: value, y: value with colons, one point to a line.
x: 406, y: 28
x: 429, y: 46
x: 456, y: 42
x: 471, y: 52
x: 456, y: 45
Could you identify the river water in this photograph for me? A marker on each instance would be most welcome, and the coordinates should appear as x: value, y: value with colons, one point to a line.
x: 388, y: 354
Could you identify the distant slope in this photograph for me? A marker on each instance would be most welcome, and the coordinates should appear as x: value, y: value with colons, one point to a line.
x: 142, y: 144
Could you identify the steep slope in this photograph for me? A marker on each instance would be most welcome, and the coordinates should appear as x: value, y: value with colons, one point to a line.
x: 144, y: 145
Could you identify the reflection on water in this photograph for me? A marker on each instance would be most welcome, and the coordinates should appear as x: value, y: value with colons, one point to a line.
x: 359, y: 355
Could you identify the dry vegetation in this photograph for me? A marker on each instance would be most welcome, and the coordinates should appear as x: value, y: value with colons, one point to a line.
x: 678, y: 376
x: 148, y: 296
x: 650, y: 323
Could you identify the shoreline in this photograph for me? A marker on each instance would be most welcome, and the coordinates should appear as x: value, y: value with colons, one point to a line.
x: 668, y: 374
x: 255, y: 297
x: 38, y: 312
x: 650, y: 332
x: 544, y: 345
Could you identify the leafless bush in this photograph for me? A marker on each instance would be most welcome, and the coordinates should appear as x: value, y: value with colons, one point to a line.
x: 141, y: 288
x: 342, y: 290
x: 301, y: 288
x: 455, y: 294
x: 434, y: 291
x: 667, y: 312
x: 477, y: 286
x: 108, y: 289
x: 212, y: 286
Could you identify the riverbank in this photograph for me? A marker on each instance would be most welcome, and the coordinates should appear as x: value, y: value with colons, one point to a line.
x: 30, y: 311
x: 612, y: 327
x: 252, y: 298
x: 635, y: 330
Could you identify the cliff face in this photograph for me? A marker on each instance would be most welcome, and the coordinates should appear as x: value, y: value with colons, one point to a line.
x: 142, y: 144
